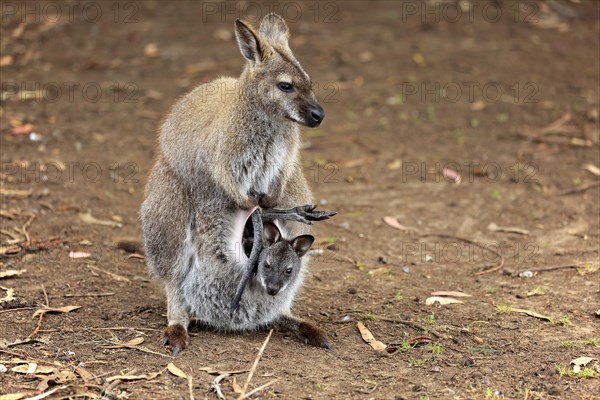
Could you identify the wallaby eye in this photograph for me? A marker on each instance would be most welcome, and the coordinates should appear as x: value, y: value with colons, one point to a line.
x: 267, y: 265
x: 285, y: 87
x: 289, y: 271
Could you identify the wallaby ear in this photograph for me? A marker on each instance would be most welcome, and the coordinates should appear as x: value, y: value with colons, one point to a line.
x: 274, y: 28
x: 271, y: 233
x: 248, y: 41
x: 301, y: 244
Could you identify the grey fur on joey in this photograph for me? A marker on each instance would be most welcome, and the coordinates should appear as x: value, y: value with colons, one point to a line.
x: 305, y: 214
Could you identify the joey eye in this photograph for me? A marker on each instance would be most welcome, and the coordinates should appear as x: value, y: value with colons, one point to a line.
x: 285, y: 87
x: 289, y: 271
x: 267, y: 265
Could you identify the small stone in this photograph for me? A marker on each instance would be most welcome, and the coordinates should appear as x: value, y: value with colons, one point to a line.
x: 468, y: 362
x: 406, y: 269
x: 35, y: 137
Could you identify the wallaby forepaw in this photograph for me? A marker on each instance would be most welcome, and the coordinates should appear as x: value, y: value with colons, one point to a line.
x: 176, y: 337
x: 308, y: 213
x: 313, y: 335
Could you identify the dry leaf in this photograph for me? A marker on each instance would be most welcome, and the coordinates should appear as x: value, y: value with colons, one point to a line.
x: 394, y: 165
x: 393, y: 222
x: 451, y: 174
x: 442, y: 300
x: 65, y: 376
x: 21, y: 130
x: 419, y: 59
x: 212, y: 371
x: 14, y: 396
x: 85, y: 374
x: 579, y: 362
x: 531, y: 314
x: 223, y: 34
x: 192, y: 69
x: 477, y: 106
x: 236, y: 387
x: 5, y: 343
x: 114, y: 276
x: 176, y: 371
x: 133, y: 342
x: 79, y: 254
x: 450, y: 293
x: 369, y: 338
x: 6, y: 60
x: 356, y: 162
x: 88, y: 218
x: 64, y: 309
x: 74, y: 391
x: 508, y: 229
x: 11, y: 272
x: 592, y: 169
x: 133, y: 377
x: 12, y: 249
x: 33, y: 368
x: 10, y: 295
x: 151, y: 50
x: 15, y: 192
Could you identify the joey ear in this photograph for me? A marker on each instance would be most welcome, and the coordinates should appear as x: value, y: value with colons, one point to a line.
x: 274, y: 28
x: 301, y: 244
x: 271, y: 233
x: 248, y: 41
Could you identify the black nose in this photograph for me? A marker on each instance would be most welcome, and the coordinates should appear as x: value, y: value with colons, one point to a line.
x: 272, y: 289
x: 315, y: 115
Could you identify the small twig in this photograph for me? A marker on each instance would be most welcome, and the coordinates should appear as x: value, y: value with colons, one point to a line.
x: 261, y: 387
x: 551, y: 268
x: 89, y: 294
x: 38, y: 326
x: 10, y: 235
x: 114, y: 276
x: 26, y: 356
x: 107, y: 389
x: 190, y: 387
x: 18, y: 309
x: 256, y: 360
x: 411, y: 324
x: 46, y: 296
x: 580, y: 189
x: 41, y: 317
x: 25, y: 226
x: 487, y: 271
x: 121, y: 328
x: 142, y: 349
x: 494, y: 269
x: 216, y: 386
x: 343, y: 257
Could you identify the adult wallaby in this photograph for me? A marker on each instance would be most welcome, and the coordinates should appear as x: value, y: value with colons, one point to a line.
x: 227, y: 147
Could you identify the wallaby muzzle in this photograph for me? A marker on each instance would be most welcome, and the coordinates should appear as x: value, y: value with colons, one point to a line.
x: 313, y: 115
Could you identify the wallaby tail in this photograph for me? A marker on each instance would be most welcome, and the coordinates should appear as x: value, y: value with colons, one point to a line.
x: 131, y: 246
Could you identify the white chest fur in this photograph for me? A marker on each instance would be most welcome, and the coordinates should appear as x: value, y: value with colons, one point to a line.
x: 261, y: 169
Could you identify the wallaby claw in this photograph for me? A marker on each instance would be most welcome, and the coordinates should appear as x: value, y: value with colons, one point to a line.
x: 327, y: 346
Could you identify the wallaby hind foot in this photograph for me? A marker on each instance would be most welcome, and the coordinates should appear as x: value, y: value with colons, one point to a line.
x: 303, y: 330
x: 176, y: 337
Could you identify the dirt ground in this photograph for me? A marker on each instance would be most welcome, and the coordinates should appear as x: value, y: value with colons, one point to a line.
x: 503, y: 96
